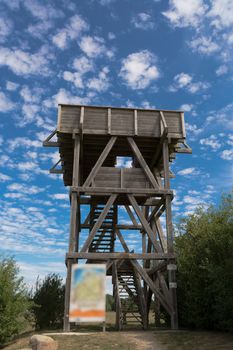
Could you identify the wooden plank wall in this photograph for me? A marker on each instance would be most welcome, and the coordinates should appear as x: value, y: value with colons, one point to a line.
x: 119, y: 121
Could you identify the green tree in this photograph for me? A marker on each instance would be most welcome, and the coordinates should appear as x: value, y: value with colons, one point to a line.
x: 109, y: 302
x: 15, y: 305
x: 49, y: 302
x: 205, y: 268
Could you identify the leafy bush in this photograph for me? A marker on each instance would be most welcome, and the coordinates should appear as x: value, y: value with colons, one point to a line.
x: 15, y: 306
x: 109, y: 302
x: 205, y: 268
x: 49, y: 302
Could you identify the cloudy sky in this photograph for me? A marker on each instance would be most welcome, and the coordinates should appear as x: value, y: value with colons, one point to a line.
x: 168, y: 54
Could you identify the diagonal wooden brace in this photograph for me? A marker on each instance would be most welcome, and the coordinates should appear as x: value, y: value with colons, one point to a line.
x: 100, y: 161
x: 98, y: 223
x: 150, y: 283
x: 144, y: 223
x: 142, y: 162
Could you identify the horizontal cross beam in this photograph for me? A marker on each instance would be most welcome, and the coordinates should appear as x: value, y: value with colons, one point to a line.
x: 114, y: 256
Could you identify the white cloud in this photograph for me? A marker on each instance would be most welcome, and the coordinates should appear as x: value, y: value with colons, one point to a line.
x: 227, y: 154
x: 182, y: 80
x: 204, y: 45
x: 24, y: 189
x: 139, y: 69
x: 31, y: 95
x: 183, y: 13
x: 65, y: 97
x: 143, y: 21
x: 60, y: 196
x: 22, y: 142
x: 42, y: 11
x: 6, y: 28
x: 11, y: 86
x: 188, y: 172
x: 82, y: 65
x: 186, y: 107
x: 4, y: 177
x: 185, y: 81
x: 101, y: 83
x: 40, y: 29
x: 72, y: 31
x: 212, y: 142
x: 221, y: 13
x: 6, y: 104
x: 111, y: 36
x: 24, y: 63
x: 193, y: 129
x: 223, y: 69
x: 105, y: 2
x: 94, y: 46
x: 223, y: 116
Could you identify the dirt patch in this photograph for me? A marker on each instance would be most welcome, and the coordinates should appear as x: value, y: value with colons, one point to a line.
x: 144, y: 340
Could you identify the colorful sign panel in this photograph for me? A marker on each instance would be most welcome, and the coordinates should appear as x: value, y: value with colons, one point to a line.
x: 87, y: 299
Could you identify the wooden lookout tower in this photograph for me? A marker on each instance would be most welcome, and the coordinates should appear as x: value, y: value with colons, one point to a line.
x: 90, y: 139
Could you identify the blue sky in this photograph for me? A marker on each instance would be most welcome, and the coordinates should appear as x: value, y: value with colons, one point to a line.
x: 174, y: 54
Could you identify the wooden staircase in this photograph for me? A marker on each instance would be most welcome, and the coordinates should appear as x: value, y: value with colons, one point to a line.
x: 130, y: 304
x: 104, y: 239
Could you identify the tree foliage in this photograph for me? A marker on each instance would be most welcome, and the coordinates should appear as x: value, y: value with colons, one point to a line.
x: 205, y: 268
x: 49, y: 302
x: 14, y: 301
x: 109, y: 302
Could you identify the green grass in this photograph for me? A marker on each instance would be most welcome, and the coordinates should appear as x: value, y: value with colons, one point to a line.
x: 188, y: 340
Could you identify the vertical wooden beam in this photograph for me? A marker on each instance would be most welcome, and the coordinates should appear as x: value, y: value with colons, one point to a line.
x: 170, y: 235
x: 135, y: 122
x: 109, y: 121
x: 74, y: 228
x: 117, y: 296
x: 66, y: 323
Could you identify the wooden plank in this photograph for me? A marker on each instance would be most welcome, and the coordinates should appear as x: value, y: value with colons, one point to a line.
x: 66, y: 324
x: 144, y: 223
x: 114, y: 256
x: 81, y: 120
x: 109, y: 121
x: 130, y: 213
x: 98, y: 222
x: 135, y: 122
x: 100, y: 161
x: 135, y: 191
x: 142, y: 162
x: 75, y: 180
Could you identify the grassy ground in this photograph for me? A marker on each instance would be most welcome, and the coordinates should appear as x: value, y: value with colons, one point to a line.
x: 92, y: 337
x: 186, y: 340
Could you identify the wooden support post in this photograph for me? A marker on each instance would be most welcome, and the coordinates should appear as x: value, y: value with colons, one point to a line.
x: 170, y: 236
x: 117, y: 297
x: 74, y: 228
x: 172, y: 289
x: 66, y: 324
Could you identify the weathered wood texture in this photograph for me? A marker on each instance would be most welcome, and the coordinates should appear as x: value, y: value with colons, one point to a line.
x: 90, y: 139
x: 119, y: 121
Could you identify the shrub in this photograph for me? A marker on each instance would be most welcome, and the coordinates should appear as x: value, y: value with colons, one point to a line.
x: 49, y: 302
x: 15, y: 305
x: 205, y: 268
